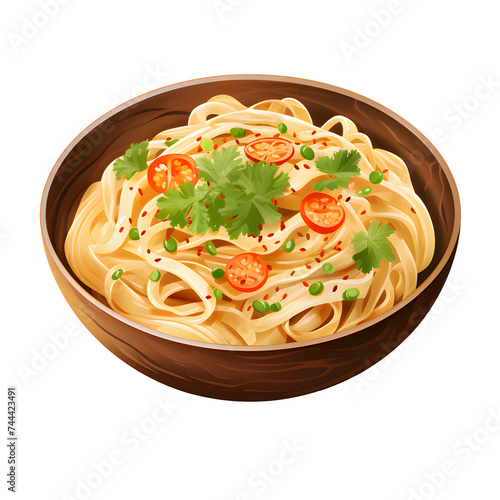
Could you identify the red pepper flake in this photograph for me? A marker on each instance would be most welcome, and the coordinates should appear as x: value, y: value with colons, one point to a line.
x: 277, y: 242
x: 266, y: 296
x: 346, y: 277
x: 140, y: 191
x: 224, y: 140
x: 277, y: 289
x: 158, y: 259
x: 322, y: 253
x: 264, y: 248
x: 258, y: 135
x: 131, y: 188
x: 236, y: 141
x: 200, y: 249
x: 337, y: 248
x: 249, y: 307
x: 296, y: 167
x: 317, y: 259
x: 300, y: 235
x: 385, y: 171
x: 148, y: 250
x: 208, y: 297
x: 270, y: 235
x: 339, y: 242
x: 348, y: 199
x: 292, y: 190
x: 282, y: 225
x: 305, y: 283
x: 199, y: 149
x: 294, y: 134
x: 308, y: 266
x: 276, y: 135
x: 260, y: 238
x: 325, y: 238
x: 302, y: 249
x: 121, y: 229
x: 157, y: 212
x: 143, y: 233
x: 187, y: 241
x: 307, y: 167
x: 198, y: 138
x: 314, y: 141
x: 169, y: 138
x: 292, y: 273
x: 216, y: 146
x: 339, y: 197
x: 413, y: 210
x: 130, y: 220
x: 363, y: 212
x: 324, y: 143
x: 308, y: 236
x: 285, y: 295
x: 144, y: 213
x: 297, y: 143
x: 270, y: 267
x: 335, y: 288
x: 313, y: 132
x: 260, y: 227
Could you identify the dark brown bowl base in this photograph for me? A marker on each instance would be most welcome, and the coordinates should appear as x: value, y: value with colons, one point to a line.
x: 253, y: 373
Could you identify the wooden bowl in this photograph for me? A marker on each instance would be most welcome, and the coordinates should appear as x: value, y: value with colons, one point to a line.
x: 247, y: 373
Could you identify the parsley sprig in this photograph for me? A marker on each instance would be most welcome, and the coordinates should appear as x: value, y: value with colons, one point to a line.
x: 372, y: 246
x: 343, y: 166
x: 134, y: 160
x: 236, y: 195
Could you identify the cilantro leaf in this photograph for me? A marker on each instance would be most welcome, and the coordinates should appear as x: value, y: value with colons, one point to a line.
x: 222, y: 167
x: 343, y: 165
x: 134, y: 160
x: 248, y: 200
x: 372, y: 247
x: 184, y: 206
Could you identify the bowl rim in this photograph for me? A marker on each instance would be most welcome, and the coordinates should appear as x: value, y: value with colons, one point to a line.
x: 256, y: 77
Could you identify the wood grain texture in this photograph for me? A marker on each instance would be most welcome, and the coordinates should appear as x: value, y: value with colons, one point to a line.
x: 257, y: 372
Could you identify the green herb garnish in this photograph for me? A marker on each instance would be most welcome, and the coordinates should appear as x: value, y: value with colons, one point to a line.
x: 237, y: 196
x: 171, y: 142
x: 134, y: 160
x: 372, y: 247
x: 343, y: 165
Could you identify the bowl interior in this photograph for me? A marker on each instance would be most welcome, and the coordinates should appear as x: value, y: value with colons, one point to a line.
x: 83, y: 162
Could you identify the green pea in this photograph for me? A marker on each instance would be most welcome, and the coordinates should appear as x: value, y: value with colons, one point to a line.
x: 316, y: 288
x: 217, y: 294
x: 350, y: 294
x: 155, y: 276
x: 207, y: 144
x: 364, y: 191
x: 288, y: 246
x: 237, y: 132
x: 211, y: 248
x: 307, y: 152
x: 218, y: 273
x: 328, y: 268
x: 276, y: 307
x: 171, y: 143
x: 170, y: 245
x: 282, y: 128
x: 376, y: 177
x: 117, y: 274
x: 133, y: 234
x: 261, y: 306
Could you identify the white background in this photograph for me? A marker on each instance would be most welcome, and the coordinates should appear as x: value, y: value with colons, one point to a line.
x: 385, y: 434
